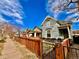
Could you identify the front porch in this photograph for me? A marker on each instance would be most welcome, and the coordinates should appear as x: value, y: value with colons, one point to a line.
x: 65, y: 32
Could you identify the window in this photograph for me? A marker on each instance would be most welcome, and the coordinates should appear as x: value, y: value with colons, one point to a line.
x: 48, y: 23
x: 48, y: 33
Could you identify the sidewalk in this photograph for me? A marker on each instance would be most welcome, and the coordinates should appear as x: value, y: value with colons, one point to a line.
x: 13, y: 50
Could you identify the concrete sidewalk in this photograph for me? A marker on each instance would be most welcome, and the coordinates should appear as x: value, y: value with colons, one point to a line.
x: 13, y: 50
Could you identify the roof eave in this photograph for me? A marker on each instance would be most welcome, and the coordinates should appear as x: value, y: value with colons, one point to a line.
x: 46, y: 19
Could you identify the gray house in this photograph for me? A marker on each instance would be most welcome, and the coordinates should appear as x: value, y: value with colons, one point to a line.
x: 52, y: 28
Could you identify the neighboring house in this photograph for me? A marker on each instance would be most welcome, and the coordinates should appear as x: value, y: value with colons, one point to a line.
x: 75, y: 32
x: 36, y: 32
x: 76, y: 36
x: 29, y: 33
x: 52, y: 28
x: 22, y: 34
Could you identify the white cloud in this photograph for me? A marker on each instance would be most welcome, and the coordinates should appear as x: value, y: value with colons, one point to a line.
x: 19, y: 22
x: 75, y: 20
x: 11, y: 8
x: 2, y: 19
x: 71, y: 17
x: 72, y: 11
x: 55, y: 7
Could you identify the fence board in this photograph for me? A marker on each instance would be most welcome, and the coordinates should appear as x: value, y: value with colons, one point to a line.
x: 59, y: 52
x: 33, y: 44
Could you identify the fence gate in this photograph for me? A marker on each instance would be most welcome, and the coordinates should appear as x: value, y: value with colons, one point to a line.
x: 73, y: 53
x: 48, y: 51
x: 62, y: 51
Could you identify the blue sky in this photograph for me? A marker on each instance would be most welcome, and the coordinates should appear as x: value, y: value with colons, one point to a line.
x: 30, y: 13
x: 35, y: 12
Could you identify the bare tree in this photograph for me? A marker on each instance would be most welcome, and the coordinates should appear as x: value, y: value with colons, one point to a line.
x: 69, y: 2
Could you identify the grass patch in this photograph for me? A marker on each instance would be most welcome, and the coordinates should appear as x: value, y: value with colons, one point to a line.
x: 47, y: 47
x: 1, y: 47
x: 2, y: 41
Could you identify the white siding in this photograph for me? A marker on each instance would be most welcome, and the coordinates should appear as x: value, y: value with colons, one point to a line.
x: 52, y: 22
x: 44, y: 34
x: 48, y: 23
x: 55, y: 32
x: 54, y: 29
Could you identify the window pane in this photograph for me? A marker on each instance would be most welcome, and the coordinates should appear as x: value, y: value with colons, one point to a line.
x: 48, y: 33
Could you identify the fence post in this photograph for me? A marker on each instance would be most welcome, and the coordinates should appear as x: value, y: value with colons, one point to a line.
x: 59, y: 51
x: 54, y: 52
x: 63, y: 52
x: 41, y: 49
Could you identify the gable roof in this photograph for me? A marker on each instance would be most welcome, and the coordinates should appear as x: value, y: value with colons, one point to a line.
x: 58, y: 21
x: 37, y: 29
x: 75, y: 31
x: 29, y: 31
x: 47, y: 18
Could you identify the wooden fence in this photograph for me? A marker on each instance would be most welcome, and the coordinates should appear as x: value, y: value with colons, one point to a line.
x: 33, y: 44
x: 62, y: 49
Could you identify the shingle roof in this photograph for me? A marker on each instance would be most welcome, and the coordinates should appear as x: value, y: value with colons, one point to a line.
x: 47, y: 18
x: 76, y: 32
x: 63, y: 22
